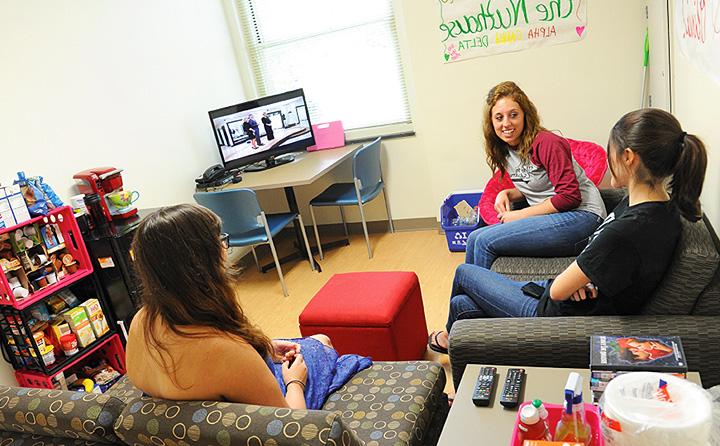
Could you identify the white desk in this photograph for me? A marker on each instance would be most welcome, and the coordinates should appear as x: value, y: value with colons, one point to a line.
x: 305, y: 169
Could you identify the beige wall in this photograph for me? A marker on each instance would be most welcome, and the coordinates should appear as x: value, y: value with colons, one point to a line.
x: 695, y: 98
x: 580, y: 89
x: 97, y: 82
x: 125, y: 83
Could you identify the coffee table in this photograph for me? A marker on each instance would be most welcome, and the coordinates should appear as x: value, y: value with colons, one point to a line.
x: 493, y: 425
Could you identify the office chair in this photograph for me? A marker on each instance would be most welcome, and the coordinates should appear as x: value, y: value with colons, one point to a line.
x: 248, y: 225
x: 367, y: 184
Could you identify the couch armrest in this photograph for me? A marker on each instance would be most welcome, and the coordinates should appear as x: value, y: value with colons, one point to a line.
x: 565, y: 341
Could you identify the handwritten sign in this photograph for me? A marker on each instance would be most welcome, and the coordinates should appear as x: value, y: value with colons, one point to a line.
x: 472, y: 28
x: 697, y: 32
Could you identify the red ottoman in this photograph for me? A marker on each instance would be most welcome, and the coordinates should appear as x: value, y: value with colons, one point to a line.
x: 376, y: 314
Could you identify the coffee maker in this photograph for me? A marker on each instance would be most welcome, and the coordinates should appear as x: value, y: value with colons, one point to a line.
x: 104, y: 181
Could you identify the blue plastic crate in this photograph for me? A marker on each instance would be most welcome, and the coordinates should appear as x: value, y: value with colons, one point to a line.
x: 457, y: 235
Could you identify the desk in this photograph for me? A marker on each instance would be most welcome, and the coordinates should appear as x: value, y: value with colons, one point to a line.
x: 307, y: 167
x: 493, y: 425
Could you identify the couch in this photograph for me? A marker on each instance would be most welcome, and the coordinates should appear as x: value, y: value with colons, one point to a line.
x: 685, y: 304
x: 390, y: 403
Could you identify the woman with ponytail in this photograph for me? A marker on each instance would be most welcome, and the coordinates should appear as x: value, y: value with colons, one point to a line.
x: 191, y: 339
x: 663, y: 168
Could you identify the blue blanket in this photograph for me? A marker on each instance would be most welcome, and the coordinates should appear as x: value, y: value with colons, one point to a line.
x: 327, y: 371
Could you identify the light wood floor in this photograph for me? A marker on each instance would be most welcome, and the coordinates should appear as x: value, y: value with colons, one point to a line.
x: 424, y: 252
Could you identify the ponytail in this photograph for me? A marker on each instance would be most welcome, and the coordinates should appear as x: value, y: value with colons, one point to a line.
x: 687, y: 181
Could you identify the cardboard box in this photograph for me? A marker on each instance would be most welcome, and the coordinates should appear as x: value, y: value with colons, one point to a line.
x: 13, y: 209
x: 80, y: 325
x: 97, y: 318
x: 59, y: 328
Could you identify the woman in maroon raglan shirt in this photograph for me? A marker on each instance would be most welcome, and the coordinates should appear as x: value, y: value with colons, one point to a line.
x: 564, y: 208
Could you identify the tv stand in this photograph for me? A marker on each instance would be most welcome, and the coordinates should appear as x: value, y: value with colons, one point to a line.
x: 269, y: 163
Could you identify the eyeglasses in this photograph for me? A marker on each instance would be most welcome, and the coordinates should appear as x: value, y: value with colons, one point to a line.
x: 225, y: 240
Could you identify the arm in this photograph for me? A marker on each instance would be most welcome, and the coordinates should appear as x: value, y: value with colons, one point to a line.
x: 554, y: 155
x: 572, y: 283
x: 245, y: 378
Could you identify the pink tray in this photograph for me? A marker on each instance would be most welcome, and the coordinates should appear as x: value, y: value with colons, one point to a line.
x: 554, y: 413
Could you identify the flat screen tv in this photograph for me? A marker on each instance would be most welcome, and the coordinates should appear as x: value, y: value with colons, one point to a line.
x: 262, y: 129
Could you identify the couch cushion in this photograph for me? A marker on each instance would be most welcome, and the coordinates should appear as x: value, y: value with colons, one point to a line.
x: 18, y: 439
x: 58, y: 413
x: 531, y: 268
x: 124, y: 390
x: 391, y: 402
x: 691, y: 271
x: 153, y: 421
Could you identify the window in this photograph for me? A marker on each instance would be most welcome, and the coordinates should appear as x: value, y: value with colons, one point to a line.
x: 345, y: 55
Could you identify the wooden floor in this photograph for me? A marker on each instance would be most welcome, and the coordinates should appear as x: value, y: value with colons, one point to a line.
x: 424, y: 252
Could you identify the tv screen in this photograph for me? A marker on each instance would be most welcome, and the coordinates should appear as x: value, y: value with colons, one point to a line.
x: 262, y: 128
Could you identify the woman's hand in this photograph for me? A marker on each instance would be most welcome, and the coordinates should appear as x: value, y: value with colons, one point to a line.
x: 588, y: 291
x: 507, y: 217
x: 502, y: 202
x: 285, y: 350
x: 295, y: 371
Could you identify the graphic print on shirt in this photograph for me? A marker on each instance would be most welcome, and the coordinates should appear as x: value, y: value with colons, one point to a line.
x: 609, y: 219
x: 524, y: 173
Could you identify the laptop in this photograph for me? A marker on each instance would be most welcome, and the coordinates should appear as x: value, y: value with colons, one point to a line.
x: 329, y: 135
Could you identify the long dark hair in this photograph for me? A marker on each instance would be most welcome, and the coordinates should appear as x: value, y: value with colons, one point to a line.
x: 179, y: 260
x: 665, y: 150
x: 496, y: 150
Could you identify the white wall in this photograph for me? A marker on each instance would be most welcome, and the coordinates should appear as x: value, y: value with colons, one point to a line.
x: 579, y: 88
x: 128, y: 83
x: 695, y: 98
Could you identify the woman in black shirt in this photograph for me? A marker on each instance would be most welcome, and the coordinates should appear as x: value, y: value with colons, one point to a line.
x: 627, y: 256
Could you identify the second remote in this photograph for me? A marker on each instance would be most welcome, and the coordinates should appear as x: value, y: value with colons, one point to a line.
x: 513, y: 388
x: 484, y: 386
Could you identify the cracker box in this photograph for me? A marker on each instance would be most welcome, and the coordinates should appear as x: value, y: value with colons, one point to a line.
x: 97, y: 318
x: 59, y: 329
x: 80, y: 325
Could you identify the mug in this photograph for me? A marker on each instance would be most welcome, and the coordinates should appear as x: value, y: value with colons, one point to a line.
x: 123, y: 198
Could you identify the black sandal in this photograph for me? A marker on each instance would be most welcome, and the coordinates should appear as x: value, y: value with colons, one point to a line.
x: 435, y: 346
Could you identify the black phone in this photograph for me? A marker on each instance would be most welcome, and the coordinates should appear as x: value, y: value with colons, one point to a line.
x: 214, y: 173
x: 532, y: 289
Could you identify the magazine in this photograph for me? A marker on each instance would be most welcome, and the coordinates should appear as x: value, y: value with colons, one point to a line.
x: 637, y: 353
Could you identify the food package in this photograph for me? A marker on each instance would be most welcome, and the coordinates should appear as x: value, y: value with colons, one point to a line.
x: 59, y: 329
x: 97, y: 318
x: 80, y: 325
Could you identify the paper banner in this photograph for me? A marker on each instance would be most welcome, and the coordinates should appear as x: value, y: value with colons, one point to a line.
x: 472, y: 28
x: 697, y: 33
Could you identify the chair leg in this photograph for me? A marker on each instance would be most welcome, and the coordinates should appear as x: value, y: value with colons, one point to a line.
x: 252, y: 248
x: 362, y: 218
x: 317, y: 236
x: 387, y: 208
x: 274, y: 253
x: 342, y: 217
x: 307, y: 244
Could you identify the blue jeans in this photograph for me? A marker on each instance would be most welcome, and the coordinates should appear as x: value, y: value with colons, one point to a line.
x: 478, y: 292
x: 552, y: 235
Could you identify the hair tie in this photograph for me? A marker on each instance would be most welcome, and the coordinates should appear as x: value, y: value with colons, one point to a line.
x: 681, y: 141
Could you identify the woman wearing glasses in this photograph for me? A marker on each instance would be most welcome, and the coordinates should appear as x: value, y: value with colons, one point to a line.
x: 191, y: 339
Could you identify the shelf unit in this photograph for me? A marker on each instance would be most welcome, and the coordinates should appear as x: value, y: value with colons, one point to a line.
x: 49, y: 247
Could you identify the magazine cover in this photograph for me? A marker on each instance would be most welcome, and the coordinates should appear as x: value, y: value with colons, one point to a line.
x: 647, y: 353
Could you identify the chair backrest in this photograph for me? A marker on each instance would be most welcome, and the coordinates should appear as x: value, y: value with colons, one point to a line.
x: 237, y: 208
x: 366, y: 164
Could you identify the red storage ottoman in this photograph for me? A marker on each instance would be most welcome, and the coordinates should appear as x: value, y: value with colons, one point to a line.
x: 376, y: 314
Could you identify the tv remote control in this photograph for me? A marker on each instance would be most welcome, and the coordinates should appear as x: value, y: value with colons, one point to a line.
x: 513, y: 387
x: 484, y: 386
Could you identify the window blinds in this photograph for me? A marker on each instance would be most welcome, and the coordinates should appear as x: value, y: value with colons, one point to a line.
x: 344, y: 54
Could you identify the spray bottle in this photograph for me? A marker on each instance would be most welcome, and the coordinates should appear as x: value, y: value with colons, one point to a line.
x: 573, y: 426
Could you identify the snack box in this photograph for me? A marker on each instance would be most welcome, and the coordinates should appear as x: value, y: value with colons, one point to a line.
x: 59, y: 328
x: 97, y: 318
x: 80, y: 325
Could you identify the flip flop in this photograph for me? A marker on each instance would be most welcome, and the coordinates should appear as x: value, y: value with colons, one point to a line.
x: 435, y: 346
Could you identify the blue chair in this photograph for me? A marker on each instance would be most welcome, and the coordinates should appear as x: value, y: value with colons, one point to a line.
x: 248, y: 225
x: 367, y: 184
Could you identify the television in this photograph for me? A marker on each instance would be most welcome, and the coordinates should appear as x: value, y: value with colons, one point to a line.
x: 261, y: 130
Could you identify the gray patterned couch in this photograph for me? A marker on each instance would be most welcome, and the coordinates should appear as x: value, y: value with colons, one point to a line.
x: 685, y: 304
x: 389, y: 404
